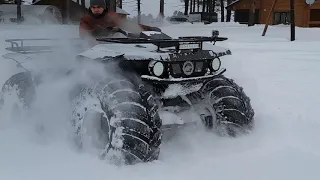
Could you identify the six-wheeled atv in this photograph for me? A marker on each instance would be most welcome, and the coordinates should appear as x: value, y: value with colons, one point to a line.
x: 145, y: 74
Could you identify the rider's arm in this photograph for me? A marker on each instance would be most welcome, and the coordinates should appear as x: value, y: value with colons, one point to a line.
x: 114, y: 20
x: 85, y: 29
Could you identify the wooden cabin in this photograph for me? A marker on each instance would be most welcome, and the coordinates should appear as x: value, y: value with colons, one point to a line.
x: 305, y: 15
x: 122, y: 13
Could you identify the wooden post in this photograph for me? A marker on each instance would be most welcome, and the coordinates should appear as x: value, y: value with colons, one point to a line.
x: 269, y: 16
x: 198, y: 5
x: 186, y: 7
x: 112, y: 5
x: 292, y: 19
x: 222, y: 10
x: 203, y: 5
x: 213, y: 5
x: 251, y: 21
x: 120, y: 4
x: 228, y: 11
x: 139, y: 11
x: 162, y: 8
x: 19, y: 16
x: 194, y: 6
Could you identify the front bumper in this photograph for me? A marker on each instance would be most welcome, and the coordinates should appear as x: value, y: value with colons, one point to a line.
x: 157, y: 80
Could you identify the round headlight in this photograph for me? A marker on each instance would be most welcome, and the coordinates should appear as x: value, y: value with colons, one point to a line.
x: 215, y: 64
x: 156, y: 68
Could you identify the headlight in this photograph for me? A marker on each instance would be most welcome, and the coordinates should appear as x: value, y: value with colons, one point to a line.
x: 215, y: 64
x: 156, y: 68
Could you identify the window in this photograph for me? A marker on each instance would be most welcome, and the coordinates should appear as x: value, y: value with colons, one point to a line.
x: 281, y: 18
x: 315, y: 15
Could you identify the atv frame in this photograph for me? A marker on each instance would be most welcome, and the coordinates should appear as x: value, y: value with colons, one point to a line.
x: 183, y: 62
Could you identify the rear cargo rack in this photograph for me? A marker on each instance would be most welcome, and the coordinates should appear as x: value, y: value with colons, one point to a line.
x: 18, y: 45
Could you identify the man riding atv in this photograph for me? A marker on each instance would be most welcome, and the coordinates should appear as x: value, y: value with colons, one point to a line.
x: 116, y: 108
x: 101, y: 22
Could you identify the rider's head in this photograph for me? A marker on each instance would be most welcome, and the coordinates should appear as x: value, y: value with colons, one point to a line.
x: 98, y: 7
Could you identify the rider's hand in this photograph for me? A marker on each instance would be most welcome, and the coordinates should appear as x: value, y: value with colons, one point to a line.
x: 117, y: 30
x: 113, y: 29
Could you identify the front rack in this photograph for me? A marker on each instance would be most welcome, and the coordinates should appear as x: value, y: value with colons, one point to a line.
x: 151, y: 41
x: 163, y: 43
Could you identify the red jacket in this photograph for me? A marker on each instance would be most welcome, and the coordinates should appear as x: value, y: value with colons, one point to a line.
x: 88, y: 24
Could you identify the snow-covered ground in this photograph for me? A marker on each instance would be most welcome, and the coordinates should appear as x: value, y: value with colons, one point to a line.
x: 280, y: 76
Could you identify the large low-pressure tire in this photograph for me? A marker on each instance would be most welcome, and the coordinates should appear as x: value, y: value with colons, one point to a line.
x: 229, y: 106
x: 18, y: 90
x: 129, y: 124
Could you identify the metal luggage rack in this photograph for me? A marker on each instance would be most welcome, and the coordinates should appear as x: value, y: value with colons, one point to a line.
x: 18, y: 45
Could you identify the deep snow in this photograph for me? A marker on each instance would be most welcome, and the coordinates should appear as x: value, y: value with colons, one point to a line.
x: 280, y: 76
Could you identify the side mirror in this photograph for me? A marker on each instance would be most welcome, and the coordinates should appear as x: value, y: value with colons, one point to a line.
x: 215, y: 33
x: 155, y: 29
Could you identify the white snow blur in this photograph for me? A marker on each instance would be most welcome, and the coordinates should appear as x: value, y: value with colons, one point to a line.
x: 280, y: 77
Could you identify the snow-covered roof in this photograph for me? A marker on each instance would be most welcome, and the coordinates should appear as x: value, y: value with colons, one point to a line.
x: 27, y: 2
x: 121, y: 11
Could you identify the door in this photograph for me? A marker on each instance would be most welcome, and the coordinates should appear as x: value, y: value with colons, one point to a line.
x: 242, y: 16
